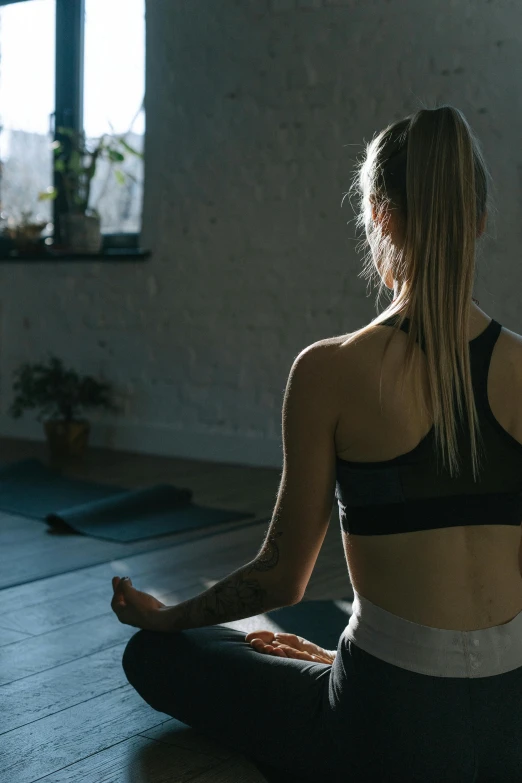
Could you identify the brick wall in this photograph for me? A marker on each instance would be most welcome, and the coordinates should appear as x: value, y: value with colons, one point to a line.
x: 256, y: 111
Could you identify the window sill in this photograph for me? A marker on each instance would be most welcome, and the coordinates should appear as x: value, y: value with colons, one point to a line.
x: 108, y: 255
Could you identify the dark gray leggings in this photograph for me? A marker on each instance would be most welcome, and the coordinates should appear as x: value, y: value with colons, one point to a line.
x: 361, y: 719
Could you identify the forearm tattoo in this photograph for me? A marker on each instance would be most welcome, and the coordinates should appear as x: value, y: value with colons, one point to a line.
x: 268, y: 558
x: 237, y: 596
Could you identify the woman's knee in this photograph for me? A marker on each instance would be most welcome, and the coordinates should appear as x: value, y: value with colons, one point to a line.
x: 143, y: 662
x: 155, y: 664
x: 150, y: 655
x: 136, y: 656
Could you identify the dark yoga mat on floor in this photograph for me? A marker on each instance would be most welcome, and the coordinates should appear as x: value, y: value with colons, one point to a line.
x: 31, y: 489
x: 321, y: 622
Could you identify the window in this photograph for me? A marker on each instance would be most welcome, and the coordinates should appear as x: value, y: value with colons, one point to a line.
x: 77, y: 64
x: 27, y: 51
x: 114, y: 86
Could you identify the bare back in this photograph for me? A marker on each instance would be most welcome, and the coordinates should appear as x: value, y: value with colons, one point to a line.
x: 462, y: 578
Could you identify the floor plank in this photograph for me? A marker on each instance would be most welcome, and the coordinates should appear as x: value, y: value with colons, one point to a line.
x: 208, y: 555
x: 49, y: 744
x: 32, y: 593
x: 136, y: 760
x: 52, y: 555
x: 52, y: 650
x: 15, y: 530
x: 54, y: 690
x: 93, y: 601
x: 8, y: 636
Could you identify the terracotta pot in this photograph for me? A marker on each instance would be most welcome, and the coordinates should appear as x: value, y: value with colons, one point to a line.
x: 67, y: 438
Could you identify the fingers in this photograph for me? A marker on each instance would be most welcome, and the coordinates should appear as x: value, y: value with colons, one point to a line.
x: 285, y: 651
x: 118, y: 603
x: 299, y: 643
x: 278, y: 649
x: 291, y: 652
x: 289, y: 638
x: 259, y: 645
x: 285, y: 645
x: 265, y: 636
x: 302, y: 655
x: 268, y: 649
x: 121, y: 581
x: 120, y: 586
x: 115, y: 582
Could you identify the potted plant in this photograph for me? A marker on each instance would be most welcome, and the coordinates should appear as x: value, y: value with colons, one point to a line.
x: 75, y: 160
x: 61, y: 395
x: 26, y: 232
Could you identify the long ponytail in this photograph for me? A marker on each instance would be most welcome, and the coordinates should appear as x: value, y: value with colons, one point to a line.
x: 428, y: 168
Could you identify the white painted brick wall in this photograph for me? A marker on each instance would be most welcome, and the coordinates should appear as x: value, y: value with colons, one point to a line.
x: 256, y: 111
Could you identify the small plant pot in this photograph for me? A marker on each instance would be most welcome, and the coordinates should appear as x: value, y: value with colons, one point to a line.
x: 82, y: 233
x: 26, y: 239
x: 67, y: 438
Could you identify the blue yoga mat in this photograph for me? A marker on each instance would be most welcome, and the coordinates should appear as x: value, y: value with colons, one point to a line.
x: 321, y: 622
x: 31, y: 489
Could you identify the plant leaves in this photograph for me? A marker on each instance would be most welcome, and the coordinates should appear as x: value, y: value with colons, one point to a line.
x: 130, y: 149
x: 47, y: 195
x: 58, y: 392
x: 115, y: 156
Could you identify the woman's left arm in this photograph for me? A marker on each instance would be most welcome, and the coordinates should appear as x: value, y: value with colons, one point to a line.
x: 246, y: 592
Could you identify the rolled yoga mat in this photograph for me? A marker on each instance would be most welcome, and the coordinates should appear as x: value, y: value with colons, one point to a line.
x: 31, y: 489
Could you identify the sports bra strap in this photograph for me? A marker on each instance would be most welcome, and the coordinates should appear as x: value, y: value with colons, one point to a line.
x: 481, y: 349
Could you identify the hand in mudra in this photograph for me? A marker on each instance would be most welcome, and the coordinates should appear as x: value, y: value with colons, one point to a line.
x: 288, y: 645
x: 134, y: 607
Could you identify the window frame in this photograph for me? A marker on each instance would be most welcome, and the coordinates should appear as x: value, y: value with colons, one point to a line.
x: 68, y: 98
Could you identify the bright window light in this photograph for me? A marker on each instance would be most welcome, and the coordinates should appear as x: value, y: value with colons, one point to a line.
x: 27, y: 66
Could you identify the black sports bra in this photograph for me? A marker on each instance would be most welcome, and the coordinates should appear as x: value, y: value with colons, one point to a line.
x: 413, y: 492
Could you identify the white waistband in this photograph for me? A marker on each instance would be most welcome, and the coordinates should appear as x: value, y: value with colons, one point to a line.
x: 434, y: 651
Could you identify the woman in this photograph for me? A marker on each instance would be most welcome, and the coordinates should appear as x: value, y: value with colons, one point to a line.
x: 426, y: 680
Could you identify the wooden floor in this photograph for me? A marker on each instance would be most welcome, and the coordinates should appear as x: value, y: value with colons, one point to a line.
x: 67, y: 712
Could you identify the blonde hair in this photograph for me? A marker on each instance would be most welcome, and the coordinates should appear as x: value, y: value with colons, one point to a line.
x: 429, y: 169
